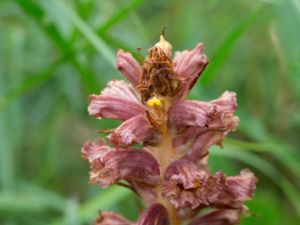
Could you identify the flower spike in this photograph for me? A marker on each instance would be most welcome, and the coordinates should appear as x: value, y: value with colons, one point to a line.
x: 161, y: 149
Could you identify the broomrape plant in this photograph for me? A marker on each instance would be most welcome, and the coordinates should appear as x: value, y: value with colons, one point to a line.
x: 160, y: 151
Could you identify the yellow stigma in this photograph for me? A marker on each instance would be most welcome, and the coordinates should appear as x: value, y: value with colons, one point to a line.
x: 154, y: 101
x: 197, y: 184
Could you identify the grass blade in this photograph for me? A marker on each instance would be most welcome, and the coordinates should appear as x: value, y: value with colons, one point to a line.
x: 226, y: 46
x: 87, y: 32
x: 119, y: 15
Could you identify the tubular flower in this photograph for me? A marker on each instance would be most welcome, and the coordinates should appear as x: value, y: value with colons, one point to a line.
x: 168, y: 169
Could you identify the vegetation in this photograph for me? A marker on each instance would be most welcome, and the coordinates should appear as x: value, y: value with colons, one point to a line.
x: 54, y: 53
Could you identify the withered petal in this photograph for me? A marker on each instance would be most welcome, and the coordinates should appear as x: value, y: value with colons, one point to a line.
x: 128, y: 66
x: 189, y: 66
x: 223, y: 118
x: 133, y: 131
x: 186, y: 186
x: 219, y: 217
x: 116, y: 101
x: 156, y: 214
x: 111, y: 218
x: 181, y: 179
x: 190, y: 113
x: 207, y: 124
x: 93, y: 150
x: 242, y: 187
x: 183, y: 172
x: 108, y: 165
x: 227, y: 101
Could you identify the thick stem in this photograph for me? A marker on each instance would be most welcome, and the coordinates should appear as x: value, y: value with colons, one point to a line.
x: 174, y: 220
x: 165, y: 154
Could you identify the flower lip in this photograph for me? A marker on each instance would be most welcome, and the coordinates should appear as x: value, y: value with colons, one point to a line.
x: 116, y: 101
x: 108, y: 165
x: 133, y: 131
x: 189, y: 65
x: 128, y: 66
x: 181, y: 189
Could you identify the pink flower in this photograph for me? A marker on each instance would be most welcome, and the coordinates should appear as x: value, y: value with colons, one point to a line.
x: 169, y: 168
x: 156, y: 214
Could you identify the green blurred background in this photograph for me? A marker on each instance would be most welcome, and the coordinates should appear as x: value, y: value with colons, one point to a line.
x: 55, y: 53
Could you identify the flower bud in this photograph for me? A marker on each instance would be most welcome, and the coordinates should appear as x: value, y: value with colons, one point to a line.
x: 165, y: 46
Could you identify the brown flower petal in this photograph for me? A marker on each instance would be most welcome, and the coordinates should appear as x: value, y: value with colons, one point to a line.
x: 189, y: 65
x: 154, y: 215
x: 128, y: 66
x: 132, y: 131
x: 111, y: 218
x: 219, y: 217
x: 186, y: 186
x: 108, y: 165
x: 116, y: 101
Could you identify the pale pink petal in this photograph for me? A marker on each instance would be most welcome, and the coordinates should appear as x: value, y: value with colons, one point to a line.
x: 222, y: 121
x: 207, y: 124
x: 128, y: 66
x: 93, y: 150
x: 190, y: 113
x: 227, y: 101
x: 189, y: 66
x: 116, y: 101
x: 133, y: 131
x: 223, y: 118
x: 156, y: 214
x: 111, y: 218
x: 190, y: 63
x: 219, y: 217
x: 108, y: 165
x: 242, y: 186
